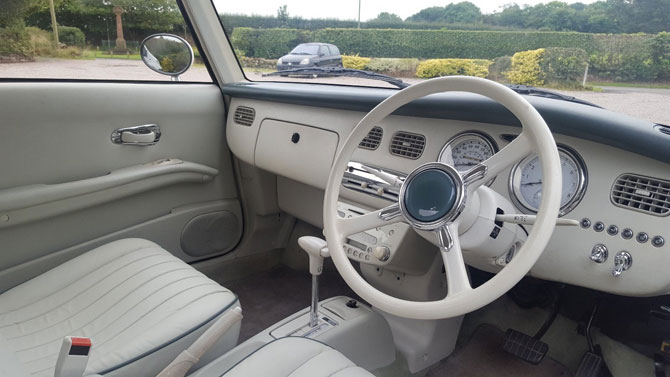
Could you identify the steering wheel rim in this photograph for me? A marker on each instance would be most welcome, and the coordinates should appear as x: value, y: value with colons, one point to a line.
x: 461, y: 298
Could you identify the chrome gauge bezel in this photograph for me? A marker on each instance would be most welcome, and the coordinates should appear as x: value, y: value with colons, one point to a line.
x: 514, y: 182
x: 467, y: 135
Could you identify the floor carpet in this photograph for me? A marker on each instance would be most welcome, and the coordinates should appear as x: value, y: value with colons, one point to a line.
x: 483, y: 356
x: 271, y: 296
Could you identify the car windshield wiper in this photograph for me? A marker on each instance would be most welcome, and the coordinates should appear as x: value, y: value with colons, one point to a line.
x: 338, y: 71
x: 532, y: 91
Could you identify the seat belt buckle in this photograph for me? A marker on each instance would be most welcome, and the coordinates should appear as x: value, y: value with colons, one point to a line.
x: 73, y: 356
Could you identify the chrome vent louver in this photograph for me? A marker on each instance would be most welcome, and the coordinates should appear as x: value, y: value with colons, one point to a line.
x: 407, y: 144
x: 373, y: 139
x: 643, y: 194
x: 244, y: 116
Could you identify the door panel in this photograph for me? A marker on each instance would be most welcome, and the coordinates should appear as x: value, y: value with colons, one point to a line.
x: 55, y: 139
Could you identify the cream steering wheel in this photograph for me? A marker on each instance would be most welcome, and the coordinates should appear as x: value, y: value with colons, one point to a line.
x: 434, y: 195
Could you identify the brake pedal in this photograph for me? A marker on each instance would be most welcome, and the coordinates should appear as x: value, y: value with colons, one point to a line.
x: 590, y: 365
x: 524, y: 346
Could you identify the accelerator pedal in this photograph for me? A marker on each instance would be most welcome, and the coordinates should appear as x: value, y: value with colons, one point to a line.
x: 524, y: 346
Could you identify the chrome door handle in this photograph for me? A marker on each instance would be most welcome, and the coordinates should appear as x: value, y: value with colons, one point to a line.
x: 147, y: 134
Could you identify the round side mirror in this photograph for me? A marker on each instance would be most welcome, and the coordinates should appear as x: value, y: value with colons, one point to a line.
x: 167, y: 54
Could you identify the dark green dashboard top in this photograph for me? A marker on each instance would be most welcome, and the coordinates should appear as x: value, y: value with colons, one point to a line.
x: 566, y: 118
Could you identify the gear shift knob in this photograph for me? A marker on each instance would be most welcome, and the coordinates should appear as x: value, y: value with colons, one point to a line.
x: 316, y: 249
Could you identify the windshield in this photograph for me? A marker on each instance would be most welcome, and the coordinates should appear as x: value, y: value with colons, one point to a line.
x: 306, y: 50
x: 612, y: 53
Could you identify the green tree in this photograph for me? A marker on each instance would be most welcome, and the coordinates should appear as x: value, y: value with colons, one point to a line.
x: 12, y: 12
x: 463, y: 12
x: 282, y: 15
x: 386, y: 17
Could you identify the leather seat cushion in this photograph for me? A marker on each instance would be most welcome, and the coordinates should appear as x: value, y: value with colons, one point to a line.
x: 296, y: 357
x: 131, y: 297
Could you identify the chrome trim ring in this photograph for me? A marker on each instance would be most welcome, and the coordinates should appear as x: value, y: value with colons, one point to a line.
x: 515, y: 179
x: 486, y: 138
x: 456, y: 208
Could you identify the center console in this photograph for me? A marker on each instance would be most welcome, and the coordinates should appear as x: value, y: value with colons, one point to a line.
x: 347, y: 325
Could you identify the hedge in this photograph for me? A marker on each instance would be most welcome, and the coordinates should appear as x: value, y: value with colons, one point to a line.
x: 427, y: 44
x: 71, y: 36
x: 267, y: 43
x: 660, y: 47
x: 525, y: 69
x: 563, y: 65
x: 15, y: 43
x: 450, y: 67
x: 619, y: 57
x: 355, y: 62
x: 394, y: 67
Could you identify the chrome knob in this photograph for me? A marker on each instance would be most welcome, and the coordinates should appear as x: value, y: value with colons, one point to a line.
x: 382, y: 253
x: 622, y: 262
x: 599, y: 253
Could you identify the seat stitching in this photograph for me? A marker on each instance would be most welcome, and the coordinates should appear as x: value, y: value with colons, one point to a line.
x: 165, y: 301
x: 323, y: 349
x: 164, y: 344
x: 339, y: 370
x: 81, y: 310
x: 119, y: 317
x: 85, y: 276
x: 93, y: 285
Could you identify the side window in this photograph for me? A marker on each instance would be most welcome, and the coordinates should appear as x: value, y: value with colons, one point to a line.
x: 91, y: 39
x: 323, y: 51
x: 334, y: 50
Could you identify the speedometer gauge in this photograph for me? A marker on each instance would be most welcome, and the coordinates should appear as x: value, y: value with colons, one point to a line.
x: 467, y: 149
x: 526, y: 181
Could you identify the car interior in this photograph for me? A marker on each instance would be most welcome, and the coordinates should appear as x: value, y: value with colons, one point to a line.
x: 454, y: 227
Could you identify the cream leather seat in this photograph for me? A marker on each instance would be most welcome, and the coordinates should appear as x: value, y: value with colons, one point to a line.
x: 140, y: 305
x: 296, y: 357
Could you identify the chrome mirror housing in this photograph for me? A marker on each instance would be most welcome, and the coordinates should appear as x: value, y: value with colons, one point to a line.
x: 167, y: 54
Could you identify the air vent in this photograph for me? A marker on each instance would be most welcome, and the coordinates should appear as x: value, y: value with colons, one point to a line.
x: 373, y: 139
x: 244, y: 115
x: 662, y: 128
x: 644, y: 194
x: 408, y: 145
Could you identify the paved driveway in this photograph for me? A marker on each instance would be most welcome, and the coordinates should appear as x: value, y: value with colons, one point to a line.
x: 644, y: 103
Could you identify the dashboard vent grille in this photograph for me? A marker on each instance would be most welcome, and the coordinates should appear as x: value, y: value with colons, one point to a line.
x: 244, y: 115
x: 408, y: 145
x: 644, y: 194
x: 373, y: 139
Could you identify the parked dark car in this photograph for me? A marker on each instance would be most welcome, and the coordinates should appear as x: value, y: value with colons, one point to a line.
x: 311, y: 55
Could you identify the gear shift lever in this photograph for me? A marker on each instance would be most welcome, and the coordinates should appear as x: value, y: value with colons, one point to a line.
x: 316, y: 249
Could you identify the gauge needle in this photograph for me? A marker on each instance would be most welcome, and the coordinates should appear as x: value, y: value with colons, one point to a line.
x: 473, y: 159
x: 531, y: 183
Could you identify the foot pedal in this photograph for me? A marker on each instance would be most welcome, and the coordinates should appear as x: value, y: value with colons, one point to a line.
x: 524, y: 346
x: 590, y: 365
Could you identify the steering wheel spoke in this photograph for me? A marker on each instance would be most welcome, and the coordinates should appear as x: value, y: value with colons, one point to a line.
x: 458, y: 280
x: 519, y: 148
x: 385, y: 216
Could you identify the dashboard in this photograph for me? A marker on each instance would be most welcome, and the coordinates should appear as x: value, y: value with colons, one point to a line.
x: 621, y: 199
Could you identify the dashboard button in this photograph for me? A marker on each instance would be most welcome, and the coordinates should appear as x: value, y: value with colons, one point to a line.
x: 642, y: 237
x: 585, y: 223
x: 627, y: 233
x: 612, y: 230
x: 658, y: 241
x: 599, y: 226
